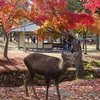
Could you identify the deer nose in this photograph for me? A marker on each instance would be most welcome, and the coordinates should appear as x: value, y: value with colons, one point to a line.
x: 73, y: 65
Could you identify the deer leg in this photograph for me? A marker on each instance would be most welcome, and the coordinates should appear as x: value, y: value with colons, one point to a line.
x: 26, y: 80
x: 48, y: 84
x: 57, y: 87
x: 34, y: 90
x: 30, y: 78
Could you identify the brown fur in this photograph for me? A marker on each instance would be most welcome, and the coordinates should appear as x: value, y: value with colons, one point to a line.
x: 48, y: 66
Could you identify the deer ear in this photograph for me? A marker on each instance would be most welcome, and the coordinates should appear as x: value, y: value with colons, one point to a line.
x: 76, y: 54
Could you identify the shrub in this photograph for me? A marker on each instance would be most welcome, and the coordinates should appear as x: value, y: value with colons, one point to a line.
x: 91, y: 64
x: 15, y: 78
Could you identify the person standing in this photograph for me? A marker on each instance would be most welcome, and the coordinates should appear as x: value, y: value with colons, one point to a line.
x: 33, y: 39
x: 64, y: 44
x: 69, y: 44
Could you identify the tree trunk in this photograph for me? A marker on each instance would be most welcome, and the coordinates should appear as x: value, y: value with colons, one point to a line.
x: 10, y: 37
x: 24, y: 48
x: 80, y: 73
x: 85, y: 44
x: 4, y: 33
x: 6, y: 37
x: 83, y: 41
x: 6, y: 47
x: 79, y: 64
x: 97, y: 41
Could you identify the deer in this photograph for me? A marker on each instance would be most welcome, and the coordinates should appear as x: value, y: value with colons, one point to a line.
x: 48, y: 66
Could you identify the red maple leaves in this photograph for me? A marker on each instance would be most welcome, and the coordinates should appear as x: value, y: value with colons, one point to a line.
x: 86, y: 19
x: 92, y: 5
x: 56, y: 13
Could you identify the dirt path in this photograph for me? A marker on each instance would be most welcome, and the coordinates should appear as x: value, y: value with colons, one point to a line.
x: 93, y: 54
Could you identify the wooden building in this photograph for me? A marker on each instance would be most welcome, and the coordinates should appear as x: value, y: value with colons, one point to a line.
x: 25, y: 35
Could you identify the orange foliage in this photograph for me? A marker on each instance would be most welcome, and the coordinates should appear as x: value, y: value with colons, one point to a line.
x: 86, y: 21
x: 96, y: 26
x: 55, y: 12
x: 14, y: 1
x: 11, y: 13
x: 19, y: 13
x: 15, y: 26
x: 5, y: 23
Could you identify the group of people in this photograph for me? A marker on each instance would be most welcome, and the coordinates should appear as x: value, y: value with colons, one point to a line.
x: 67, y: 45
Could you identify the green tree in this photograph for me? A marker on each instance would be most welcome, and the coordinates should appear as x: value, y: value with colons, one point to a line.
x: 74, y: 5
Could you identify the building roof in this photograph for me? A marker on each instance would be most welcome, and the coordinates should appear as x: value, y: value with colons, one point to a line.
x: 27, y: 28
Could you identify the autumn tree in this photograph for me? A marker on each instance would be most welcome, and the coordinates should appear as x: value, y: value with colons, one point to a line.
x: 95, y: 28
x: 86, y: 21
x: 94, y: 7
x: 54, y: 18
x: 10, y: 14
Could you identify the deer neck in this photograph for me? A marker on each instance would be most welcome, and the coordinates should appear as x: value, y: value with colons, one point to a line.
x: 63, y: 66
x: 61, y: 62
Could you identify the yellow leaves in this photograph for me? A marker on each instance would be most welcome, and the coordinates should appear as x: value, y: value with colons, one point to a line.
x: 76, y: 12
x: 83, y: 12
x: 47, y: 24
x: 40, y: 31
x: 55, y: 36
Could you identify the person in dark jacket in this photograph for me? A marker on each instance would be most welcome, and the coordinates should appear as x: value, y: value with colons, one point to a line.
x: 33, y: 39
x: 64, y: 44
x: 69, y: 44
